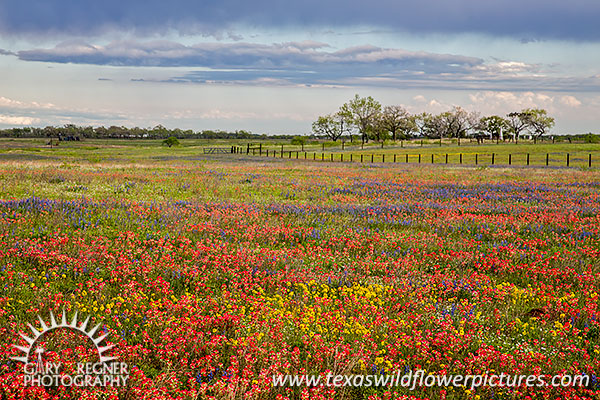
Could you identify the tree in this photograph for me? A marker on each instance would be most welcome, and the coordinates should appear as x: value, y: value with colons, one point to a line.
x: 50, y: 131
x: 159, y: 131
x: 395, y: 120
x: 538, y: 121
x: 363, y: 113
x: 495, y: 126
x: 330, y: 125
x: 456, y: 123
x: 517, y: 123
x: 425, y: 124
x: 171, y: 141
x: 444, y: 125
x: 379, y: 131
x: 460, y: 121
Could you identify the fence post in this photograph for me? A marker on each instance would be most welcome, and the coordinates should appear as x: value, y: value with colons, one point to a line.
x: 547, y: 159
x: 267, y: 152
x: 350, y: 157
x: 407, y: 158
x: 509, y: 159
x: 432, y: 158
x: 460, y: 158
x: 342, y: 156
x: 322, y: 156
x: 297, y: 153
x: 527, y: 158
x: 372, y: 157
x: 446, y: 158
x: 383, y: 158
x: 590, y: 160
x: 314, y: 156
x: 248, y: 148
x: 394, y: 158
x: 361, y: 158
x: 260, y: 149
x: 420, y: 157
x: 331, y: 157
x: 567, y: 159
x: 476, y: 158
x: 493, y: 156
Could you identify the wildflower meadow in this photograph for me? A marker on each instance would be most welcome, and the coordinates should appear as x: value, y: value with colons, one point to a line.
x: 212, y: 274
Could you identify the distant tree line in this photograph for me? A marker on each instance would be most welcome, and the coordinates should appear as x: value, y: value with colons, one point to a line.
x: 367, y: 117
x: 74, y: 132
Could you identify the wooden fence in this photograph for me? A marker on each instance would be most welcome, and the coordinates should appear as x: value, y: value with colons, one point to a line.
x: 547, y: 159
x: 218, y: 150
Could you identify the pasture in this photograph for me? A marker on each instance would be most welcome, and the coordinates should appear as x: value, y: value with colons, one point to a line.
x: 212, y: 273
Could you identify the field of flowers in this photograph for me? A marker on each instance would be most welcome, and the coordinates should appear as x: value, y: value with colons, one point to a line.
x: 210, y: 276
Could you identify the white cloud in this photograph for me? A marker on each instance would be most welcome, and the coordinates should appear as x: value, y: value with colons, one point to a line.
x: 570, y: 101
x: 504, y: 102
x: 491, y: 102
x: 17, y: 104
x: 13, y: 120
x: 222, y: 114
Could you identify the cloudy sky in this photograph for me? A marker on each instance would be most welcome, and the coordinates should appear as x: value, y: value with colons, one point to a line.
x: 273, y: 66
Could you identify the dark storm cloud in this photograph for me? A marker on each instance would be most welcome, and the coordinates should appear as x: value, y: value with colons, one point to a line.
x: 295, y: 55
x: 527, y: 20
x: 306, y: 62
x: 310, y: 63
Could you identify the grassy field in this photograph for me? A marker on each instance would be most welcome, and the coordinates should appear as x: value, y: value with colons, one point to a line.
x: 211, y: 274
x: 95, y: 151
x: 503, y: 153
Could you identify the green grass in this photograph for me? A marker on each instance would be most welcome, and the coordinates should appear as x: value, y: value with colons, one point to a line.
x: 95, y: 151
x: 504, y: 153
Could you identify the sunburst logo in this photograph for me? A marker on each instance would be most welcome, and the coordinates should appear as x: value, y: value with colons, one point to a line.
x: 73, y: 325
x: 101, y: 373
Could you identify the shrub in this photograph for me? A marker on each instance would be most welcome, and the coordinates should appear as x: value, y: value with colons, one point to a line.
x: 299, y: 141
x: 171, y: 141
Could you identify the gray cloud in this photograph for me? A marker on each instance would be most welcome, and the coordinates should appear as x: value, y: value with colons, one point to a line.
x: 307, y: 56
x: 523, y: 19
x: 311, y: 63
x: 290, y: 63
